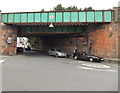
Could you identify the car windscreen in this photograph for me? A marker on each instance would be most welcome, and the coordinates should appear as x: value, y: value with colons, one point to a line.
x: 59, y: 50
x: 52, y: 49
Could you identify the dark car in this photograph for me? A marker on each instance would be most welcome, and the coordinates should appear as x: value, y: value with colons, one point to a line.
x: 87, y: 57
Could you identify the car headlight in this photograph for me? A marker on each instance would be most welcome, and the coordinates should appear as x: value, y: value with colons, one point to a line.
x: 102, y: 59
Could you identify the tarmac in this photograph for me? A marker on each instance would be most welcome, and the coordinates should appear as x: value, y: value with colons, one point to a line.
x: 112, y: 60
x: 108, y: 60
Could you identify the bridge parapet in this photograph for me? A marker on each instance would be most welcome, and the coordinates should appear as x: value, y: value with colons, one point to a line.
x: 58, y: 17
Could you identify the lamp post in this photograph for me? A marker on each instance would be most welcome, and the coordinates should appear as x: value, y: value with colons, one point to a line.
x: 91, y: 42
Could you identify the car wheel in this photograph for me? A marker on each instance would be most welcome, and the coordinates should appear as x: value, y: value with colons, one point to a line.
x: 76, y: 57
x: 57, y: 55
x: 21, y: 49
x: 91, y: 59
x: 49, y: 54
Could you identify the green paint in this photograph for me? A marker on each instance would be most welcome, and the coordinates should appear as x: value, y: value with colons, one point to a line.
x: 38, y: 29
x: 23, y: 29
x: 59, y: 17
x: 30, y: 17
x: 23, y: 17
x: 98, y: 16
x: 37, y: 17
x: 74, y: 16
x: 46, y: 29
x: 82, y: 16
x: 44, y: 17
x: 52, y: 29
x: 65, y: 29
x: 90, y: 16
x: 71, y: 29
x: 16, y: 17
x: 10, y: 17
x: 33, y: 29
x: 4, y: 17
x: 28, y: 29
x: 51, y: 17
x: 58, y: 29
x: 66, y: 16
x: 107, y: 16
x: 78, y: 29
x: 41, y: 29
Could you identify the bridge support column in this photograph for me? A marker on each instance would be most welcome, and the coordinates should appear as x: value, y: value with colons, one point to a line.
x: 8, y: 34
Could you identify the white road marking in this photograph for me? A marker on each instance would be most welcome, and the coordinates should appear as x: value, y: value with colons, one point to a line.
x: 105, y: 66
x: 4, y: 56
x: 88, y: 68
x: 111, y: 70
x: 84, y: 67
x: 1, y: 61
x: 96, y: 65
x: 73, y: 62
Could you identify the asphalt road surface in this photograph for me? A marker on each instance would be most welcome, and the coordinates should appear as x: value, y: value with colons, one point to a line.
x: 35, y: 71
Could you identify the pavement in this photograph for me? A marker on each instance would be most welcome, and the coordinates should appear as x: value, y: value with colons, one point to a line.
x: 35, y: 71
x: 112, y: 60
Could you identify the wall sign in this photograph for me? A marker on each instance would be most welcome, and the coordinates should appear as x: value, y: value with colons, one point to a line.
x: 9, y: 40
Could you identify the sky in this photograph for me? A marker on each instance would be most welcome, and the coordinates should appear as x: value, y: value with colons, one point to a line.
x: 37, y: 5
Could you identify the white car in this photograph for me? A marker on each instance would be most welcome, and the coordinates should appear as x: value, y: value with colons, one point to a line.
x: 56, y: 52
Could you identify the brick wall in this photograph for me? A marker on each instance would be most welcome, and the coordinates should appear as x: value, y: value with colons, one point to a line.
x: 8, y: 31
x: 105, y: 39
x: 119, y: 40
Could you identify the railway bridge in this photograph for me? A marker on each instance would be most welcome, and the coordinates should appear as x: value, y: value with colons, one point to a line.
x: 91, y: 31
